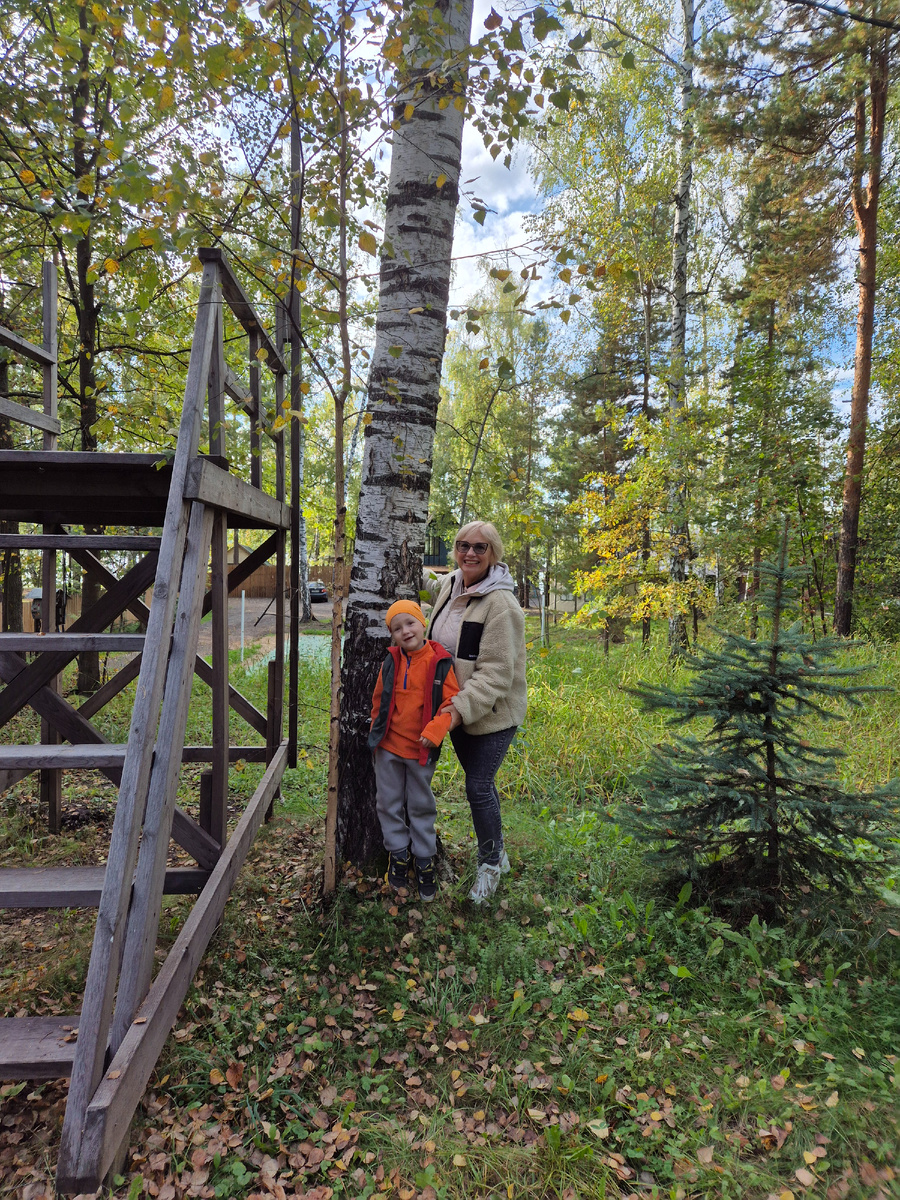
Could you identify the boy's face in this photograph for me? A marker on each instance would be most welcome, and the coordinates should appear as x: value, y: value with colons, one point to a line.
x: 407, y: 632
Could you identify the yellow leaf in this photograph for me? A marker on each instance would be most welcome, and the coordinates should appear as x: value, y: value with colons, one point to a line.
x: 440, y: 181
x: 278, y: 85
x: 367, y: 419
x: 110, y: 266
x: 304, y: 388
x: 398, y: 1014
x: 459, y: 1160
x: 858, y: 1052
x: 216, y: 1076
x: 367, y: 242
x: 393, y: 48
x: 809, y: 1158
x: 460, y: 104
x: 579, y: 1014
x: 832, y: 1100
x: 484, y: 364
x: 565, y: 275
x: 408, y: 112
x: 27, y: 176
x: 166, y: 97
x: 262, y: 354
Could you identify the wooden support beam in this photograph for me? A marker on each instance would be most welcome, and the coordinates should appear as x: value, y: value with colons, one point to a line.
x: 112, y: 1105
x: 19, y: 345
x: 78, y: 541
x: 143, y: 915
x: 72, y: 643
x: 198, y: 843
x: 239, y: 391
x: 103, y: 969
x: 240, y: 304
x: 217, y: 813
x: 37, y: 1047
x: 18, y: 692
x: 94, y: 756
x: 29, y: 416
x: 68, y: 723
x: 211, y: 485
x: 111, y: 688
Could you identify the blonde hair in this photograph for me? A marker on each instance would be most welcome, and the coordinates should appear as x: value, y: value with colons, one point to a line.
x: 488, y: 533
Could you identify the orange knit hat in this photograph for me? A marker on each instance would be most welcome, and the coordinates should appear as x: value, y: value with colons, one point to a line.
x: 404, y: 606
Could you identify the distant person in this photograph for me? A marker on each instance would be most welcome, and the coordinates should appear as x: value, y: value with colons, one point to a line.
x: 415, y: 682
x: 477, y: 618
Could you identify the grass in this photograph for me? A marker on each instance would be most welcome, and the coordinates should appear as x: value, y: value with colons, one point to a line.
x: 584, y: 1037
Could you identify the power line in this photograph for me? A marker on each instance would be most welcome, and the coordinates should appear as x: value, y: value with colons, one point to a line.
x: 842, y: 12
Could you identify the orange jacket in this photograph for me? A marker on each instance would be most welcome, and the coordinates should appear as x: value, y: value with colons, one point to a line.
x: 407, y: 718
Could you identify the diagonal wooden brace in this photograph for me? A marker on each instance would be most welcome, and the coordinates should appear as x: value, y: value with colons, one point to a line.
x: 22, y: 687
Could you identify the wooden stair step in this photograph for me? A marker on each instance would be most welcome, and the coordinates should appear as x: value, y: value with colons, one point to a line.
x: 72, y: 642
x: 83, y: 757
x: 79, y: 887
x: 36, y: 1047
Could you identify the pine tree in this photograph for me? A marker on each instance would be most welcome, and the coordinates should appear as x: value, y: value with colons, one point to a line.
x: 751, y: 810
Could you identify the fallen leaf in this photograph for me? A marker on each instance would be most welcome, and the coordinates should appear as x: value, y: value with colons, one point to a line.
x: 459, y: 1160
x: 705, y: 1155
x: 806, y: 1177
x: 832, y: 1100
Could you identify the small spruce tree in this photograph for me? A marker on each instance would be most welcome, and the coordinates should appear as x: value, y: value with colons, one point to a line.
x: 751, y: 811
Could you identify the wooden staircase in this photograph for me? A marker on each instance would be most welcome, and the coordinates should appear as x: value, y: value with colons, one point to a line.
x: 110, y: 1047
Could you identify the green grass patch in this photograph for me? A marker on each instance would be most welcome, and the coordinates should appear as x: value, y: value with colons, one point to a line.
x: 583, y: 1037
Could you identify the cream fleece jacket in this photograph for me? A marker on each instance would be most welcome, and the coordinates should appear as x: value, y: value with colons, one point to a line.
x: 489, y: 653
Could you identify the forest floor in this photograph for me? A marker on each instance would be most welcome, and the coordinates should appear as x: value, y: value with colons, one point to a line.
x: 585, y: 1036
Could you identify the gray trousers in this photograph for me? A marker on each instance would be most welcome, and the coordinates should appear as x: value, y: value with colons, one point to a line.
x: 405, y: 804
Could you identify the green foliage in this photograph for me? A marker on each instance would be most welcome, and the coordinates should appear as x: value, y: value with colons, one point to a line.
x: 752, y: 809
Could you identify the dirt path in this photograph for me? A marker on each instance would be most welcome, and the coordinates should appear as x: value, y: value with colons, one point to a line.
x: 259, y: 625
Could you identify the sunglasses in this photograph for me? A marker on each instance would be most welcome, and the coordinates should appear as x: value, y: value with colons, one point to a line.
x: 477, y: 547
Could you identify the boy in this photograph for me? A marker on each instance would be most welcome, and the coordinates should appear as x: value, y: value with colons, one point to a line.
x: 415, y: 682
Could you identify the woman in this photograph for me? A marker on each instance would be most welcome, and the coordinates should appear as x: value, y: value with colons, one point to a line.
x: 477, y: 618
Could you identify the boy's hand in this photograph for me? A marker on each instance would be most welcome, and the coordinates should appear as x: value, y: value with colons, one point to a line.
x: 427, y: 742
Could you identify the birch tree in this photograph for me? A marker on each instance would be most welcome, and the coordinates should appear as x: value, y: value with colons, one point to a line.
x: 404, y: 379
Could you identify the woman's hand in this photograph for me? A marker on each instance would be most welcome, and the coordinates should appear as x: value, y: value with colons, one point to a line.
x: 455, y: 718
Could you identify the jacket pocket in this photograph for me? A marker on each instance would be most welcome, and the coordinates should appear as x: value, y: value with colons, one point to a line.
x: 469, y: 640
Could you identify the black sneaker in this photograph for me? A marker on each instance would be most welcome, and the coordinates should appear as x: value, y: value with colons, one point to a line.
x: 425, y: 879
x: 398, y: 869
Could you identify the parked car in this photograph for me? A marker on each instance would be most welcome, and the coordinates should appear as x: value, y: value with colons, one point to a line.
x: 317, y: 593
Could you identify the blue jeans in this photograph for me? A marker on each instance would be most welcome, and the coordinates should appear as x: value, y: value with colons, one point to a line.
x: 480, y: 756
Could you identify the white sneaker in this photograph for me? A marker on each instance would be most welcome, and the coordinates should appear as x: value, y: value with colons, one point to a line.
x: 505, y: 866
x: 486, y: 883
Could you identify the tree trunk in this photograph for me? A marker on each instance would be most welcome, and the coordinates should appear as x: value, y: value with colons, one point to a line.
x: 865, y: 211
x: 403, y: 394
x: 678, y: 568
x: 87, y: 310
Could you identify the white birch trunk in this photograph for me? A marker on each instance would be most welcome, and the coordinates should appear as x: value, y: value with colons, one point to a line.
x: 679, y: 561
x: 404, y: 382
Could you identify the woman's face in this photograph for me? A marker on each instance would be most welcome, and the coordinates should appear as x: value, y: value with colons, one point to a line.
x: 474, y: 557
